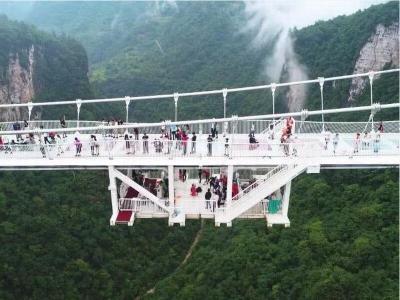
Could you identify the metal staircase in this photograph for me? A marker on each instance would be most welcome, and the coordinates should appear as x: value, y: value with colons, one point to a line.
x: 263, y: 187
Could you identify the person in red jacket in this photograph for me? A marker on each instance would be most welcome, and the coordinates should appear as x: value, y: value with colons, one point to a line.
x: 235, y: 189
x: 193, y: 190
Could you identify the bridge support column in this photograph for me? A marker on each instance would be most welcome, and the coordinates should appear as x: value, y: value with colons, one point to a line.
x: 285, y: 201
x: 229, y: 192
x: 229, y: 187
x: 171, y: 186
x: 114, y: 195
x: 177, y: 213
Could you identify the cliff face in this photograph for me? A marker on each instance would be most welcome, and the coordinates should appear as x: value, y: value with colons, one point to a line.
x: 381, y: 49
x: 18, y: 86
x: 37, y: 66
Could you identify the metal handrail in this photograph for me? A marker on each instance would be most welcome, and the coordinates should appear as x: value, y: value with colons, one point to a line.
x: 259, y: 182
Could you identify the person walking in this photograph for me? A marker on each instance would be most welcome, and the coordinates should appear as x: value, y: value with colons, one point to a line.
x: 200, y: 172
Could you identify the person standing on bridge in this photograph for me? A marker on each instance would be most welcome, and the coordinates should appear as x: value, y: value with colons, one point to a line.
x: 136, y: 132
x: 173, y: 131
x: 252, y: 130
x: 145, y: 139
x: 127, y: 144
x: 377, y: 140
x: 226, y: 147
x: 193, y: 150
x: 209, y: 145
x: 207, y: 197
x: 335, y: 142
x: 184, y: 142
x: 380, y: 128
x: 78, y: 146
x: 357, y: 142
x: 327, y: 138
x: 63, y: 126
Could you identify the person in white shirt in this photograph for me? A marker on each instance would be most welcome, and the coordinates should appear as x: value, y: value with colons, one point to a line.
x: 59, y: 142
x: 335, y: 142
x: 327, y: 137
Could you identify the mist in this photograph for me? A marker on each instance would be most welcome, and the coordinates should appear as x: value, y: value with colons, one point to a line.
x: 271, y: 23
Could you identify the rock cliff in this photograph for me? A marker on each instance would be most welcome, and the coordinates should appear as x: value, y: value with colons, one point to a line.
x: 381, y: 49
x: 18, y: 86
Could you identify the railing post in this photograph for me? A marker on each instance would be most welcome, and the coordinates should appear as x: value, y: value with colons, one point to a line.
x: 30, y: 107
x: 176, y: 98
x: 127, y: 102
x: 78, y: 110
x: 234, y: 125
x: 321, y: 87
x: 224, y: 94
x: 371, y: 80
x: 273, y: 88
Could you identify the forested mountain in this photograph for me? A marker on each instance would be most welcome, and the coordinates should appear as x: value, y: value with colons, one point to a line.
x: 156, y: 47
x: 54, y: 232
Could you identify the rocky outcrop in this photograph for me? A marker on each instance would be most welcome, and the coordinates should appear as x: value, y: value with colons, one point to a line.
x: 18, y: 86
x: 381, y: 49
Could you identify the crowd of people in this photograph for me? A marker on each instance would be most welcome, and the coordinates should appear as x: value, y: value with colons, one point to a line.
x: 176, y: 139
x: 215, y: 186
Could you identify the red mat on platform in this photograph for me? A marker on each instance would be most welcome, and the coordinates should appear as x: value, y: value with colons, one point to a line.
x: 131, y: 193
x: 124, y: 216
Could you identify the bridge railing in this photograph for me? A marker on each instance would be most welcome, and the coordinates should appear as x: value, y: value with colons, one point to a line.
x: 243, y: 126
x: 387, y: 144
x: 140, y: 205
x: 346, y: 127
x: 198, y: 206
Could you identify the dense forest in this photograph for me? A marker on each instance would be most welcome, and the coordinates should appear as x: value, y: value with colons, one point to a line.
x: 56, y: 241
